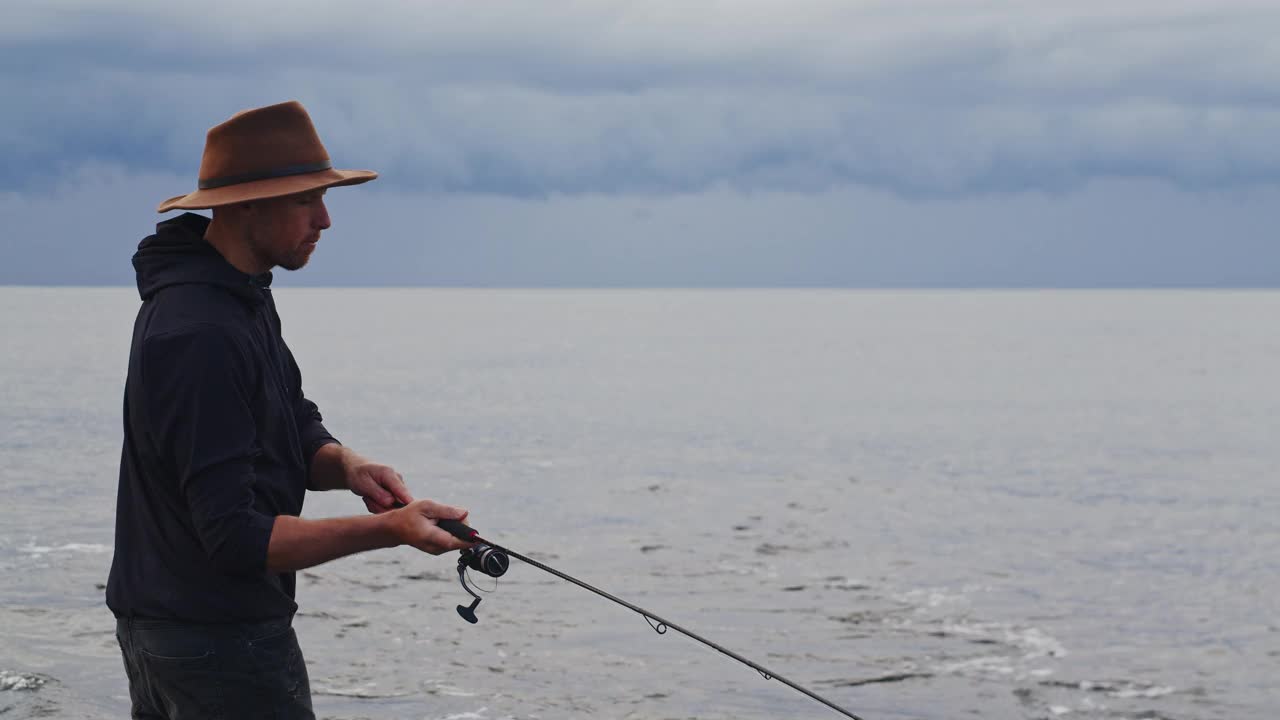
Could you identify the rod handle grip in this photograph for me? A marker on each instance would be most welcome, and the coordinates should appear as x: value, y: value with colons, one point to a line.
x: 457, y: 529
x: 454, y: 527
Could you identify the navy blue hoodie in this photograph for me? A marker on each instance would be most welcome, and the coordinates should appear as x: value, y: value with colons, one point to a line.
x: 218, y: 439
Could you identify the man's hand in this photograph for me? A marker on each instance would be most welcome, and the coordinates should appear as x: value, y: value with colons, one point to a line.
x: 297, y: 543
x: 415, y: 524
x: 380, y: 486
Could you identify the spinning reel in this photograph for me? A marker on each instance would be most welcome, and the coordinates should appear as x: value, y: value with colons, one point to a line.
x: 485, y: 559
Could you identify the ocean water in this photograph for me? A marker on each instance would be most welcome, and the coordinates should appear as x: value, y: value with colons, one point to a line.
x: 998, y: 505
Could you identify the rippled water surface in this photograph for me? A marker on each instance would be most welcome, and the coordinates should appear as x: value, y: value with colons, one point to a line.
x: 922, y: 505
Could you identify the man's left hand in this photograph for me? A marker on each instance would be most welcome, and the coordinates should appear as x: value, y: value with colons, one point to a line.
x: 380, y: 486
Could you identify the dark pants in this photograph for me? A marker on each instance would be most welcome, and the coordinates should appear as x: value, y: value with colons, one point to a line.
x: 179, y: 671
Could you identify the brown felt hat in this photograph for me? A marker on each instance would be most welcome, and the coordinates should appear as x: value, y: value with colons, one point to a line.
x: 263, y: 153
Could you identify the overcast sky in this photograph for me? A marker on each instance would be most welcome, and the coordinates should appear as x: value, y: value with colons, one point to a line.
x: 668, y: 142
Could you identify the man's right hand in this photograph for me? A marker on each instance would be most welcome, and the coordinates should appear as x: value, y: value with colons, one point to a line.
x: 414, y: 524
x: 296, y: 544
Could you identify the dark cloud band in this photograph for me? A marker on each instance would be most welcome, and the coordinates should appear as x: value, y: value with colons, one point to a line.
x: 498, y: 100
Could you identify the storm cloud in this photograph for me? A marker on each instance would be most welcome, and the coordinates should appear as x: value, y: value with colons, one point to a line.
x: 659, y: 96
x: 824, y: 112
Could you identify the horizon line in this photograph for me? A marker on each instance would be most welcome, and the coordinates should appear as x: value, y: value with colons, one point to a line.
x: 899, y: 287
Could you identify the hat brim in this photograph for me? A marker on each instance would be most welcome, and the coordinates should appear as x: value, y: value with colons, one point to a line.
x: 266, y: 189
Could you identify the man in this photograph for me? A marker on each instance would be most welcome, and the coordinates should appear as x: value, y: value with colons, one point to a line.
x: 220, y: 444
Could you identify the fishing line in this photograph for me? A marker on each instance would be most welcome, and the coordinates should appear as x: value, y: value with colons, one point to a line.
x: 493, y: 560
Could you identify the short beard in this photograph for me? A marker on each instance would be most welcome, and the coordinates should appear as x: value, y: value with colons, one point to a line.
x: 289, y: 261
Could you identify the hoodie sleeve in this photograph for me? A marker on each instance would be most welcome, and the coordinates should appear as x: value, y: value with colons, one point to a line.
x: 311, y: 430
x: 197, y: 387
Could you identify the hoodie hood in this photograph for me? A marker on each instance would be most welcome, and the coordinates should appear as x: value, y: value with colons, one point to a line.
x: 177, y: 254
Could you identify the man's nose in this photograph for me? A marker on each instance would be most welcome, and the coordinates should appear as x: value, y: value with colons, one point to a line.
x: 321, y: 218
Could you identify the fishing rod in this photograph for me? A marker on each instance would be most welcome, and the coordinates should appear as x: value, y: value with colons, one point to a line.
x: 493, y: 560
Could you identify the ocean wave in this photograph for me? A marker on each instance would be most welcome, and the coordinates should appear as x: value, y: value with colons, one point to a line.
x: 32, y: 549
x: 13, y: 680
x: 364, y: 692
x: 476, y: 715
x: 1031, y: 641
x: 1126, y: 689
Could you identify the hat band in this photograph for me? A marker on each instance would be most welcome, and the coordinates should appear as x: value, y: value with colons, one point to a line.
x: 264, y: 175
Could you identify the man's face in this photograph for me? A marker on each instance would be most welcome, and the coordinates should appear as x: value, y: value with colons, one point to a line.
x: 283, y: 232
